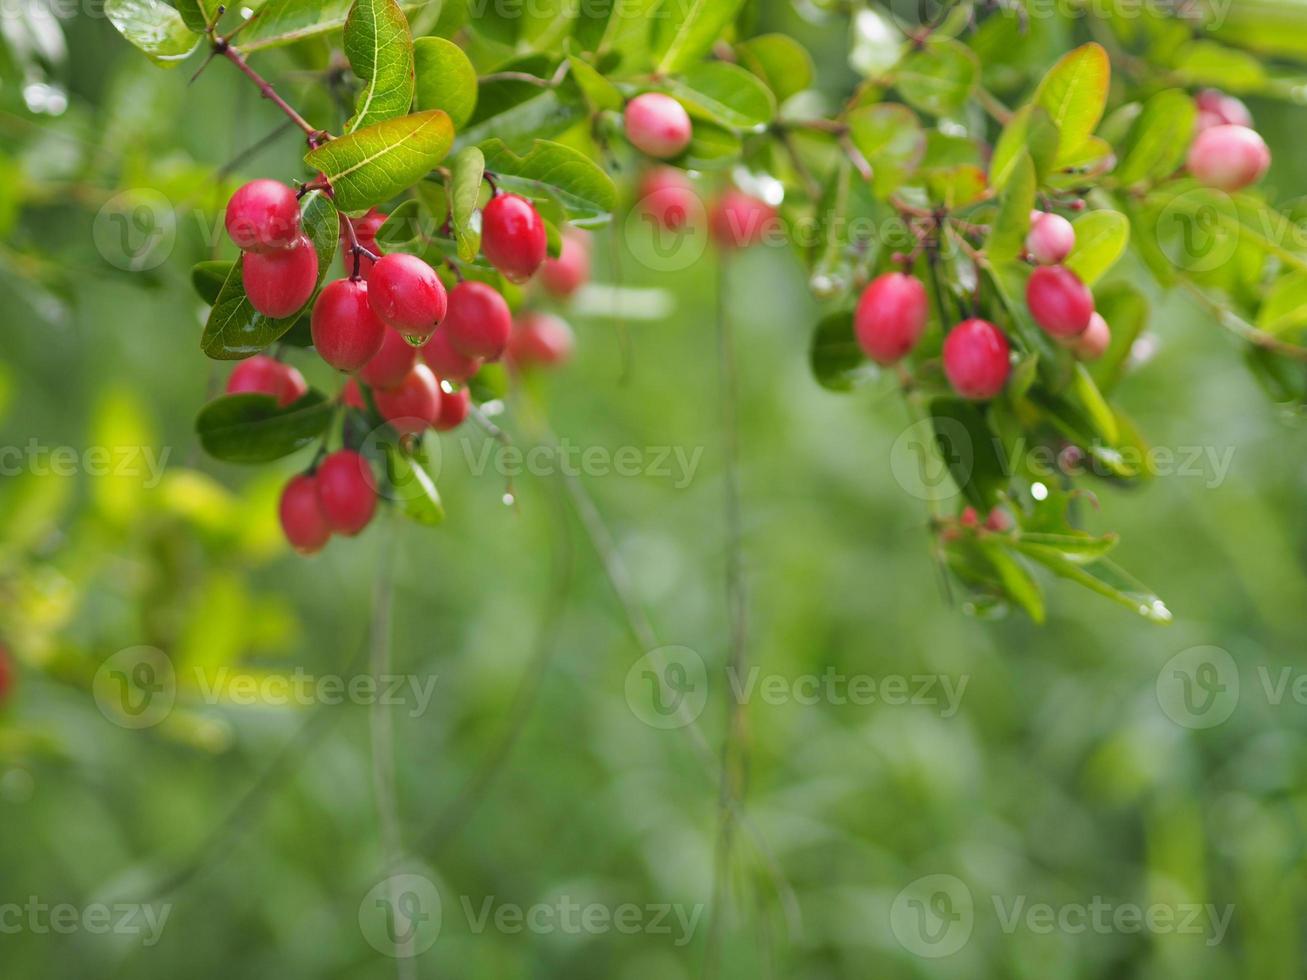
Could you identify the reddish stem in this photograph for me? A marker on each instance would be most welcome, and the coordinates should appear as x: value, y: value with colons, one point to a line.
x: 265, y: 87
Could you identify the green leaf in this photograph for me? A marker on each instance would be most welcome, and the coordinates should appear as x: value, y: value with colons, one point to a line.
x: 374, y: 164
x: 445, y: 79
x: 1074, y: 93
x: 411, y: 484
x: 876, y: 44
x: 1091, y: 402
x: 254, y: 429
x: 553, y: 170
x: 890, y: 139
x: 235, y: 329
x: 1284, y: 311
x: 1101, y: 239
x: 279, y: 22
x: 155, y: 28
x: 1076, y: 546
x: 1031, y: 130
x: 780, y: 61
x: 724, y: 94
x: 467, y: 169
x: 685, y: 30
x: 598, y: 91
x: 527, y: 114
x: 208, y: 277
x: 957, y: 186
x: 837, y: 360
x: 401, y: 228
x: 1212, y: 63
x: 969, y: 449
x: 1007, y: 239
x: 379, y: 47
x: 1103, y: 577
x: 195, y: 14
x: 1017, y: 582
x: 1159, y: 138
x: 940, y: 78
x: 1125, y: 309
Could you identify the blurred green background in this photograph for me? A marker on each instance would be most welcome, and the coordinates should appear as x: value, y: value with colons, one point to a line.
x: 1061, y: 777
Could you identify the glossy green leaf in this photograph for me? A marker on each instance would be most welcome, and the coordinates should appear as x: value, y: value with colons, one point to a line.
x: 725, y: 94
x: 1076, y: 546
x: 254, y: 429
x: 837, y: 360
x: 891, y: 140
x: 372, y: 165
x: 1007, y: 237
x: 1159, y: 138
x: 940, y: 78
x: 467, y: 170
x: 1284, y: 311
x: 196, y: 14
x: 1074, y: 94
x: 546, y: 23
x: 154, y: 27
x: 1101, y: 239
x: 1030, y: 130
x: 1103, y: 577
x: 967, y: 447
x: 553, y: 170
x: 1016, y: 581
x: 781, y: 62
x: 685, y: 30
x: 412, y: 486
x: 527, y: 114
x: 445, y: 79
x: 599, y: 92
x: 207, y: 278
x: 876, y: 44
x: 278, y: 22
x: 379, y: 47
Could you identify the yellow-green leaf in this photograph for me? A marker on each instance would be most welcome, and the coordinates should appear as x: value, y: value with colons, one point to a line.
x: 372, y: 165
x: 379, y: 47
x: 1074, y: 93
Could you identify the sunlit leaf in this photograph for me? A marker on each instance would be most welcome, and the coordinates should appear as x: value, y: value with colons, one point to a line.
x: 372, y: 165
x: 380, y: 51
x: 445, y: 79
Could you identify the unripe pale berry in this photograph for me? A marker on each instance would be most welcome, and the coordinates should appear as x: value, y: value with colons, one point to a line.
x: 1051, y: 238
x: 393, y: 359
x: 976, y: 359
x: 346, y: 491
x: 539, y: 339
x: 446, y: 362
x: 1229, y: 158
x: 891, y: 316
x: 407, y: 294
x: 412, y: 405
x: 669, y: 198
x: 513, y: 236
x: 478, y: 322
x: 1215, y: 108
x: 263, y: 216
x: 263, y: 375
x: 365, y: 230
x: 1094, y: 342
x: 454, y: 407
x: 302, y: 519
x: 346, y: 333
x: 658, y: 125
x: 564, y: 275
x: 738, y: 220
x: 278, y: 284
x: 1059, y: 301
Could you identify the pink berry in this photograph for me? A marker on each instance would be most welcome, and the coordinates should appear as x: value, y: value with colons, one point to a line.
x: 1059, y: 301
x: 891, y: 316
x: 302, y: 519
x: 539, y: 339
x: 447, y: 362
x: 1051, y: 238
x: 454, y: 408
x: 352, y: 395
x: 346, y: 491
x: 1229, y: 158
x: 976, y: 359
x: 564, y: 275
x: 999, y: 521
x: 513, y: 236
x: 738, y: 220
x: 263, y: 216
x: 1094, y: 342
x: 407, y: 294
x: 1218, y: 109
x: 668, y: 197
x: 278, y: 284
x: 393, y: 359
x: 346, y: 333
x: 263, y: 375
x: 412, y: 405
x: 8, y: 674
x: 478, y: 322
x: 658, y: 125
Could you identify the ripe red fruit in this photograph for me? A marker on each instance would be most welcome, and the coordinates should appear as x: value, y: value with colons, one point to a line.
x: 976, y: 359
x: 346, y: 491
x: 566, y: 274
x: 454, y: 407
x: 738, y: 220
x: 1229, y: 158
x: 1059, y: 301
x: 668, y: 197
x: 365, y: 230
x: 407, y: 294
x: 478, y: 322
x: 1215, y: 108
x: 413, y: 404
x: 513, y: 236
x: 302, y: 519
x: 352, y: 395
x: 278, y: 284
x: 447, y: 362
x: 392, y: 360
x: 263, y: 216
x: 891, y: 316
x: 1094, y: 342
x: 1051, y: 238
x: 658, y: 125
x: 346, y: 333
x: 8, y: 674
x: 263, y: 375
x: 539, y: 339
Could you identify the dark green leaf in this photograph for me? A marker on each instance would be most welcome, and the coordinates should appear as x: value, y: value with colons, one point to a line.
x: 208, y: 277
x: 837, y: 360
x: 253, y: 429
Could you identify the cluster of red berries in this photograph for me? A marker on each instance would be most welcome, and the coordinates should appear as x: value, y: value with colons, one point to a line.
x: 735, y: 220
x: 280, y: 264
x: 1228, y: 153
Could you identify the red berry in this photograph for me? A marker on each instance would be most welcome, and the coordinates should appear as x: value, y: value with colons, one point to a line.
x: 365, y: 230
x: 1218, y: 109
x: 891, y: 316
x: 346, y: 333
x: 352, y: 395
x: 999, y: 521
x: 1229, y: 158
x: 413, y: 404
x: 1051, y: 238
x: 513, y: 236
x: 969, y: 517
x: 8, y: 674
x: 539, y: 339
x: 1094, y: 342
x: 668, y: 197
x: 263, y: 216
x: 738, y: 220
x: 454, y: 407
x: 447, y: 362
x: 1059, y: 301
x: 302, y: 519
x: 278, y: 284
x: 346, y: 491
x: 263, y: 375
x: 392, y: 360
x: 658, y: 125
x: 976, y: 359
x: 566, y: 274
x: 478, y: 322
x: 407, y: 294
